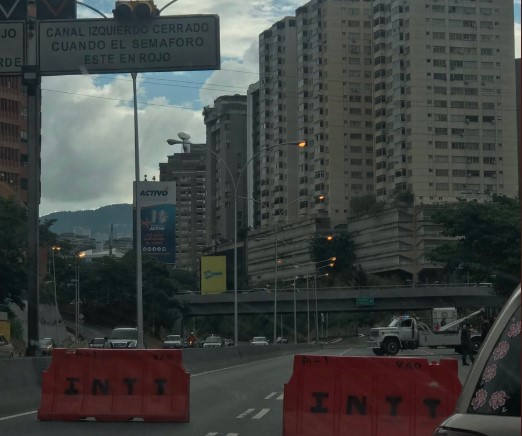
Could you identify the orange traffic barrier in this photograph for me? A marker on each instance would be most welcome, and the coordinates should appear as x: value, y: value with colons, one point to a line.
x: 363, y: 396
x: 115, y: 385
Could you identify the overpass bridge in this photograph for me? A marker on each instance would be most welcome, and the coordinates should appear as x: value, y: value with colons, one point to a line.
x: 349, y: 299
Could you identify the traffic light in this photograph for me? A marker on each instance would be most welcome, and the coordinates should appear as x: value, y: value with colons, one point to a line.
x: 135, y: 10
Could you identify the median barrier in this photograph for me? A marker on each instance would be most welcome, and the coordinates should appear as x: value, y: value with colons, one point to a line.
x: 115, y: 385
x: 20, y: 382
x: 363, y: 396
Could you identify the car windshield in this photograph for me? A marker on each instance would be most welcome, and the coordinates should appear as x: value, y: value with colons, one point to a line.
x: 124, y: 334
x: 307, y: 169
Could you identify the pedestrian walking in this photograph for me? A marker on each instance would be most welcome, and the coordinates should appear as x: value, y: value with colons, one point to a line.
x: 465, y: 343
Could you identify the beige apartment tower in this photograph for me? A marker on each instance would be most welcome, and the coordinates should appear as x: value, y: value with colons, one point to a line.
x: 445, y: 120
x: 316, y: 81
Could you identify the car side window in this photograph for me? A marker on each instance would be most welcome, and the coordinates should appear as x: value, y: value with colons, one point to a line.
x: 498, y: 389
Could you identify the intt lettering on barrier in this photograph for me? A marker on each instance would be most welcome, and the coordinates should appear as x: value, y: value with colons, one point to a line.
x: 103, y: 387
x: 355, y: 404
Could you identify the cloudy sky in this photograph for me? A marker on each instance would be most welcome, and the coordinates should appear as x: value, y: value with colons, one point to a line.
x: 87, y: 121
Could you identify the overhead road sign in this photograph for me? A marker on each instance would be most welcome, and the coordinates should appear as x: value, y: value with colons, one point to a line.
x: 13, y: 10
x: 173, y: 43
x: 364, y: 301
x: 12, y: 47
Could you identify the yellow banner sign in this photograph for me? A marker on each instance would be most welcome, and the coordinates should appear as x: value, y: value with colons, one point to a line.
x: 213, y: 274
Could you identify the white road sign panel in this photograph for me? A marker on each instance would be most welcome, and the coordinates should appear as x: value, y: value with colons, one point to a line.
x: 172, y: 43
x: 12, y: 47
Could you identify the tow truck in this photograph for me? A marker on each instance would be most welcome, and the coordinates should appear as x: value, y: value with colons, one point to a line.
x: 408, y: 333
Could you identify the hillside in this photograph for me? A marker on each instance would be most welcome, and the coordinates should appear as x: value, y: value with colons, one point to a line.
x: 98, y: 220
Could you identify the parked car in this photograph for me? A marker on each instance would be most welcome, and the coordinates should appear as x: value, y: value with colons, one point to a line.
x: 228, y: 342
x: 46, y: 346
x: 123, y: 337
x: 280, y: 340
x: 98, y: 343
x: 172, y: 341
x: 489, y: 404
x: 213, y: 342
x: 259, y: 340
x: 6, y: 348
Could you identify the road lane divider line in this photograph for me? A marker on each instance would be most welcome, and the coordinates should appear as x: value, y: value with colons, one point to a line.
x: 281, y: 397
x: 273, y: 394
x: 232, y: 434
x: 5, y: 418
x: 261, y: 413
x: 245, y: 413
x: 212, y: 434
x: 344, y: 352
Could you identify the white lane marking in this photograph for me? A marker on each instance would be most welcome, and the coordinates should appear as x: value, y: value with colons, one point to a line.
x: 245, y: 413
x: 280, y: 397
x: 232, y: 434
x: 273, y: 394
x: 5, y: 418
x: 344, y: 352
x: 212, y: 434
x: 261, y: 413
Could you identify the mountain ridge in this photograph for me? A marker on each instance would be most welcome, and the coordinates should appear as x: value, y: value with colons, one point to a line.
x: 120, y: 216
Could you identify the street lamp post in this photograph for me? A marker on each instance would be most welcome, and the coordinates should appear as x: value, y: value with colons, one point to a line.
x: 285, y: 209
x: 235, y: 181
x: 56, y: 312
x: 78, y: 256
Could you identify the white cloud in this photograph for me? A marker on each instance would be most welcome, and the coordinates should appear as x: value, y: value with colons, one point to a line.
x: 88, y: 143
x: 87, y: 130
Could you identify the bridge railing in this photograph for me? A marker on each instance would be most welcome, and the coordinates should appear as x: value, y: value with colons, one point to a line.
x: 357, y: 288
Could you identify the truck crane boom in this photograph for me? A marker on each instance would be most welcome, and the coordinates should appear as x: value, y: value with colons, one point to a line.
x: 461, y: 320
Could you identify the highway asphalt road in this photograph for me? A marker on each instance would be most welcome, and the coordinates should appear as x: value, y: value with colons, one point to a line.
x: 242, y: 400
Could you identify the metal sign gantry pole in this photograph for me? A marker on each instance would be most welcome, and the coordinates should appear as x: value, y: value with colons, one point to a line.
x: 32, y: 80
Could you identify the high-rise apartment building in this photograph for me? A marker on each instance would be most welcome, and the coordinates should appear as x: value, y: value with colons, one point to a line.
x: 278, y: 114
x: 188, y: 170
x: 227, y: 179
x: 445, y: 123
x: 253, y: 149
x: 335, y: 85
x: 13, y: 139
x: 316, y: 78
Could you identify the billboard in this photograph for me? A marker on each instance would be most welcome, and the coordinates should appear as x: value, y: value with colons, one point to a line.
x: 157, y: 201
x: 213, y: 274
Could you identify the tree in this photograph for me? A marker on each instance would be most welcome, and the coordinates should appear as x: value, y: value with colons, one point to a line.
x: 345, y: 265
x: 487, y: 241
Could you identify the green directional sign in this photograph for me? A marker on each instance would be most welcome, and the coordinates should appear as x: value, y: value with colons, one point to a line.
x: 364, y: 301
